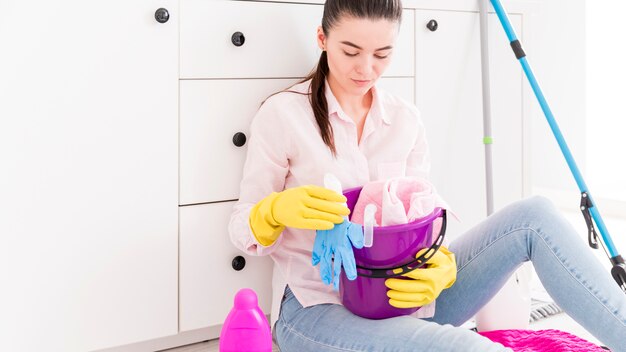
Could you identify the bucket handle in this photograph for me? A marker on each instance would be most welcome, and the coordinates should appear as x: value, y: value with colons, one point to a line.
x: 385, y: 273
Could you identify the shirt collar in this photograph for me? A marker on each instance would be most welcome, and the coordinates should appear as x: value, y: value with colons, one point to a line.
x: 376, y: 113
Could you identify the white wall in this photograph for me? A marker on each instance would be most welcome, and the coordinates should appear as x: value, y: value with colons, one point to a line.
x: 606, y: 95
x: 606, y: 114
x: 577, y: 57
x: 557, y: 57
x: 577, y: 54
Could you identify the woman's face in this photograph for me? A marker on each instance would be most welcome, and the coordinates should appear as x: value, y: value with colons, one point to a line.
x: 359, y: 51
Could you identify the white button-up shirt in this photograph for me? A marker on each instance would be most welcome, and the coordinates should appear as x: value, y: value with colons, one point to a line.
x: 286, y: 150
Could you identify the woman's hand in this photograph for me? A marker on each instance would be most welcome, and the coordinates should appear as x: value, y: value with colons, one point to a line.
x: 304, y: 207
x: 426, y: 284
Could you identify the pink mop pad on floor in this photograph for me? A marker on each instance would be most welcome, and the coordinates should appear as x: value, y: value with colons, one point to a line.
x: 541, y: 341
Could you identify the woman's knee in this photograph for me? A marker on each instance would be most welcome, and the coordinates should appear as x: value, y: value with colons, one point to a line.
x: 544, y: 219
x: 536, y: 210
x: 538, y: 204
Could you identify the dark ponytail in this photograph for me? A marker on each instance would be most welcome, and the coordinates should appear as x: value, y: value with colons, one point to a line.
x: 317, y: 98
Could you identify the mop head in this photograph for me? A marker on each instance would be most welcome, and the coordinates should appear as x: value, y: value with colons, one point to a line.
x: 541, y: 340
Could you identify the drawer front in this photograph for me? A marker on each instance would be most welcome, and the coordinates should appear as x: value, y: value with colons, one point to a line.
x: 278, y: 40
x: 208, y: 281
x: 212, y: 112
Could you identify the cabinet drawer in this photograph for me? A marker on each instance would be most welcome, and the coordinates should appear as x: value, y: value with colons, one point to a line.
x: 208, y: 281
x: 211, y: 113
x: 278, y: 40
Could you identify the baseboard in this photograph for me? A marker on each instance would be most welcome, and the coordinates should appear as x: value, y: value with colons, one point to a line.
x: 163, y: 343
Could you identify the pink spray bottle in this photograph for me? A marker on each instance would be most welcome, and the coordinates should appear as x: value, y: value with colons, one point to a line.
x: 246, y: 328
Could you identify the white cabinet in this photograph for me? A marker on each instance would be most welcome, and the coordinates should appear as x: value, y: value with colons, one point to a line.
x: 449, y: 96
x: 119, y: 167
x: 89, y: 181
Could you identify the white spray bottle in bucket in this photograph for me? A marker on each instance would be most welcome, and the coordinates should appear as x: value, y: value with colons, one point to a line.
x: 369, y: 220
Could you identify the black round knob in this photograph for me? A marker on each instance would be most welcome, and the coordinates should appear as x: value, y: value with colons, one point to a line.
x: 238, y: 263
x: 238, y: 38
x: 239, y: 139
x: 432, y: 25
x: 162, y: 15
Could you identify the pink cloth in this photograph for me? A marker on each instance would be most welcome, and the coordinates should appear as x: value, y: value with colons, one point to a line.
x: 285, y: 150
x: 541, y: 340
x: 398, y: 200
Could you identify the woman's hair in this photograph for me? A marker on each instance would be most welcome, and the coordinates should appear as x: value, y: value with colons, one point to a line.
x: 334, y: 12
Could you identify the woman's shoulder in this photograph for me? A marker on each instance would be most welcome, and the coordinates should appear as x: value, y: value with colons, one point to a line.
x: 295, y: 94
x: 283, y: 104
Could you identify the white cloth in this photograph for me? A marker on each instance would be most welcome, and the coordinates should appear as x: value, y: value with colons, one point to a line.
x: 398, y: 200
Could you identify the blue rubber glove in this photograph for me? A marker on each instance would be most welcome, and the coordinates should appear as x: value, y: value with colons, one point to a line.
x: 337, y: 242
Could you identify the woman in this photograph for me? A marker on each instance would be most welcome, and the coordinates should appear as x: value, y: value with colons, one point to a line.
x: 337, y: 121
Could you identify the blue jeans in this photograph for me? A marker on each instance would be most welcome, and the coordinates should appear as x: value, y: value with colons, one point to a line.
x: 486, y: 255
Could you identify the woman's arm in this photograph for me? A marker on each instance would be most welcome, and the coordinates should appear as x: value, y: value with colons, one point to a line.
x: 264, y: 172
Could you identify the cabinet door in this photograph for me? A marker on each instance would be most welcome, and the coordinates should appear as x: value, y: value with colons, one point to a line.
x: 212, y: 270
x: 449, y: 95
x: 212, y: 112
x: 89, y: 185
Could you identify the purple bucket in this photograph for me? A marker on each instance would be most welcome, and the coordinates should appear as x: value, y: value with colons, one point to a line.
x: 394, y: 247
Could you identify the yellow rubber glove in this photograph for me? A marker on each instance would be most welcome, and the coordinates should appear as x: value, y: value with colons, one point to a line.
x: 304, y: 207
x: 427, y: 282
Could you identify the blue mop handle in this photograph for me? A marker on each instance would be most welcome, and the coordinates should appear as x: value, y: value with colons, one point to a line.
x: 517, y: 48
